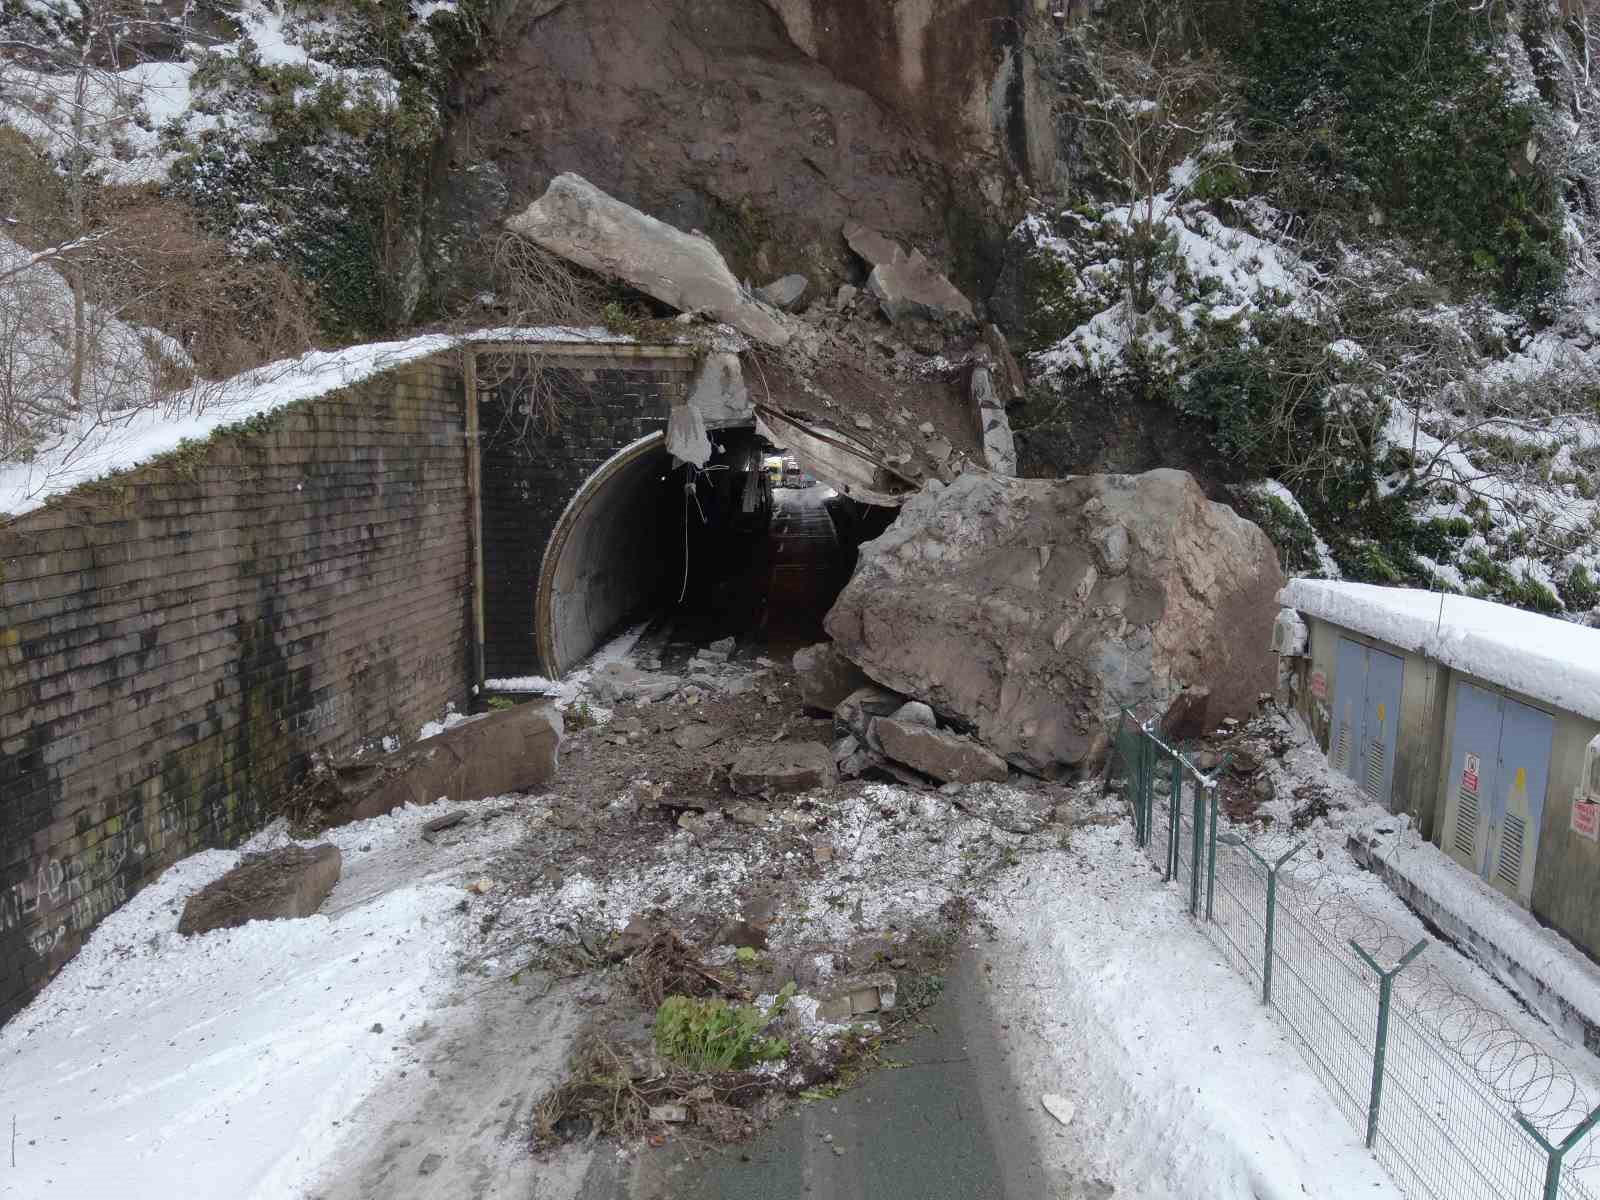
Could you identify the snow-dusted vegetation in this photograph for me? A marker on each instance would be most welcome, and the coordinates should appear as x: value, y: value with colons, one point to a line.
x: 1351, y: 248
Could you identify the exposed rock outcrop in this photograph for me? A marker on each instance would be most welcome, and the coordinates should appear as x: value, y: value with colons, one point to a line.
x: 1032, y: 610
x: 581, y: 223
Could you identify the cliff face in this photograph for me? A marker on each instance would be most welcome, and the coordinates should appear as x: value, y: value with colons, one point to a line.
x: 769, y: 125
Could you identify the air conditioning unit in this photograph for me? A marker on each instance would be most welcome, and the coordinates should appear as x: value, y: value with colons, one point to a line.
x: 1590, y: 787
x: 1290, y: 637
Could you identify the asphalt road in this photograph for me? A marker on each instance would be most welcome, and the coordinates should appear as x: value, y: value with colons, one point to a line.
x: 946, y: 1124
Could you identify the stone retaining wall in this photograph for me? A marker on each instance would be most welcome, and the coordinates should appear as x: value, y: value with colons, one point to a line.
x: 175, y: 641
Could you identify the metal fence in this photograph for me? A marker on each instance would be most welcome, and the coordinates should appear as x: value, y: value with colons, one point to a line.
x: 1438, y: 1120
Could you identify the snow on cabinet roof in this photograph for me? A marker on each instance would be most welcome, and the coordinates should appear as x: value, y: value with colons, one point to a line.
x: 1550, y: 660
x: 102, y: 445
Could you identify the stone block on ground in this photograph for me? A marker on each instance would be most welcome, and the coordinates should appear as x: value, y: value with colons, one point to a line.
x: 785, y: 767
x: 279, y: 885
x: 1032, y: 610
x: 513, y: 750
x: 945, y: 756
x: 825, y: 676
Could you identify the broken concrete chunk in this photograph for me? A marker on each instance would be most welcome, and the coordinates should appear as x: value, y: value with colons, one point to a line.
x: 582, y: 224
x: 785, y: 293
x: 846, y: 296
x: 723, y: 646
x: 856, y: 996
x: 945, y: 756
x: 786, y: 767
x: 719, y: 394
x: 825, y: 676
x: 954, y: 598
x: 999, y: 445
x: 279, y: 885
x: 1059, y: 1107
x: 687, y: 440
x: 670, y: 1114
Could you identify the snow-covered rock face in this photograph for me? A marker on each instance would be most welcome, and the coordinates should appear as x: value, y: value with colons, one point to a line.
x: 1032, y: 610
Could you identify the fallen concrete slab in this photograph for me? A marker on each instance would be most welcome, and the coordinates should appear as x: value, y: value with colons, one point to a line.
x: 582, y: 224
x: 280, y: 885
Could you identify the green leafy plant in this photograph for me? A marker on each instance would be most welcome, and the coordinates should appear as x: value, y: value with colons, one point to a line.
x: 711, y: 1035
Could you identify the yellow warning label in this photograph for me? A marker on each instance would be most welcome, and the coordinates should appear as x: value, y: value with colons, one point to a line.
x: 1522, y: 779
x: 1380, y: 713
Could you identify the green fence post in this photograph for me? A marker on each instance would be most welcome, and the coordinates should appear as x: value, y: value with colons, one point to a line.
x: 1557, y: 1150
x: 1385, y: 995
x: 1199, y: 837
x: 1271, y: 868
x: 1209, y: 787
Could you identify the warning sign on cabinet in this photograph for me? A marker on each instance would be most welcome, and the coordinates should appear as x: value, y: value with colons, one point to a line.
x: 1469, y: 775
x: 1586, y: 820
x: 1319, y: 685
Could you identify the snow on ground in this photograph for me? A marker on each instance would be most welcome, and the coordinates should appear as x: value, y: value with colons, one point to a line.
x: 1183, y: 1087
x: 107, y: 442
x: 222, y: 1065
x: 575, y: 684
x: 1551, y: 660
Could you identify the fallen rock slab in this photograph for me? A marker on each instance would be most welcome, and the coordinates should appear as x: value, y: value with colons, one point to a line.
x: 785, y: 767
x: 785, y: 293
x: 908, y: 286
x: 943, y: 755
x: 581, y: 223
x: 513, y: 750
x: 1033, y: 610
x: 282, y: 884
x: 825, y: 676
x: 857, y: 996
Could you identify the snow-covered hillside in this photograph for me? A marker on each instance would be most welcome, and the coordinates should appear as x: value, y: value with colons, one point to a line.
x: 1397, y: 394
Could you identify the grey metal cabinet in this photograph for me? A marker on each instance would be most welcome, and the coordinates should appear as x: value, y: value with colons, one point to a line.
x: 1499, y: 774
x: 1366, y: 716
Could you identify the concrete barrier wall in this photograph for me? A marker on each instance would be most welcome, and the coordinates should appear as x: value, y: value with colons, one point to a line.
x: 176, y: 641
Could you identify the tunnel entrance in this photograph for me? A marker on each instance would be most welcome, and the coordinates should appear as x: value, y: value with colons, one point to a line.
x: 746, y: 547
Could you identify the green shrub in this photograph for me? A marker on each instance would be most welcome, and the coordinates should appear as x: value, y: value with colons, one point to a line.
x: 711, y: 1035
x: 1404, y: 105
x: 1578, y: 591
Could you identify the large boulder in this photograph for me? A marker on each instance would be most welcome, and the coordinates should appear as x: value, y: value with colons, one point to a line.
x: 1032, y: 610
x: 579, y: 222
x: 281, y: 884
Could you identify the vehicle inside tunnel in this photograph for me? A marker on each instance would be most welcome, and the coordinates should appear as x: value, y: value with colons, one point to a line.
x: 748, y: 546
